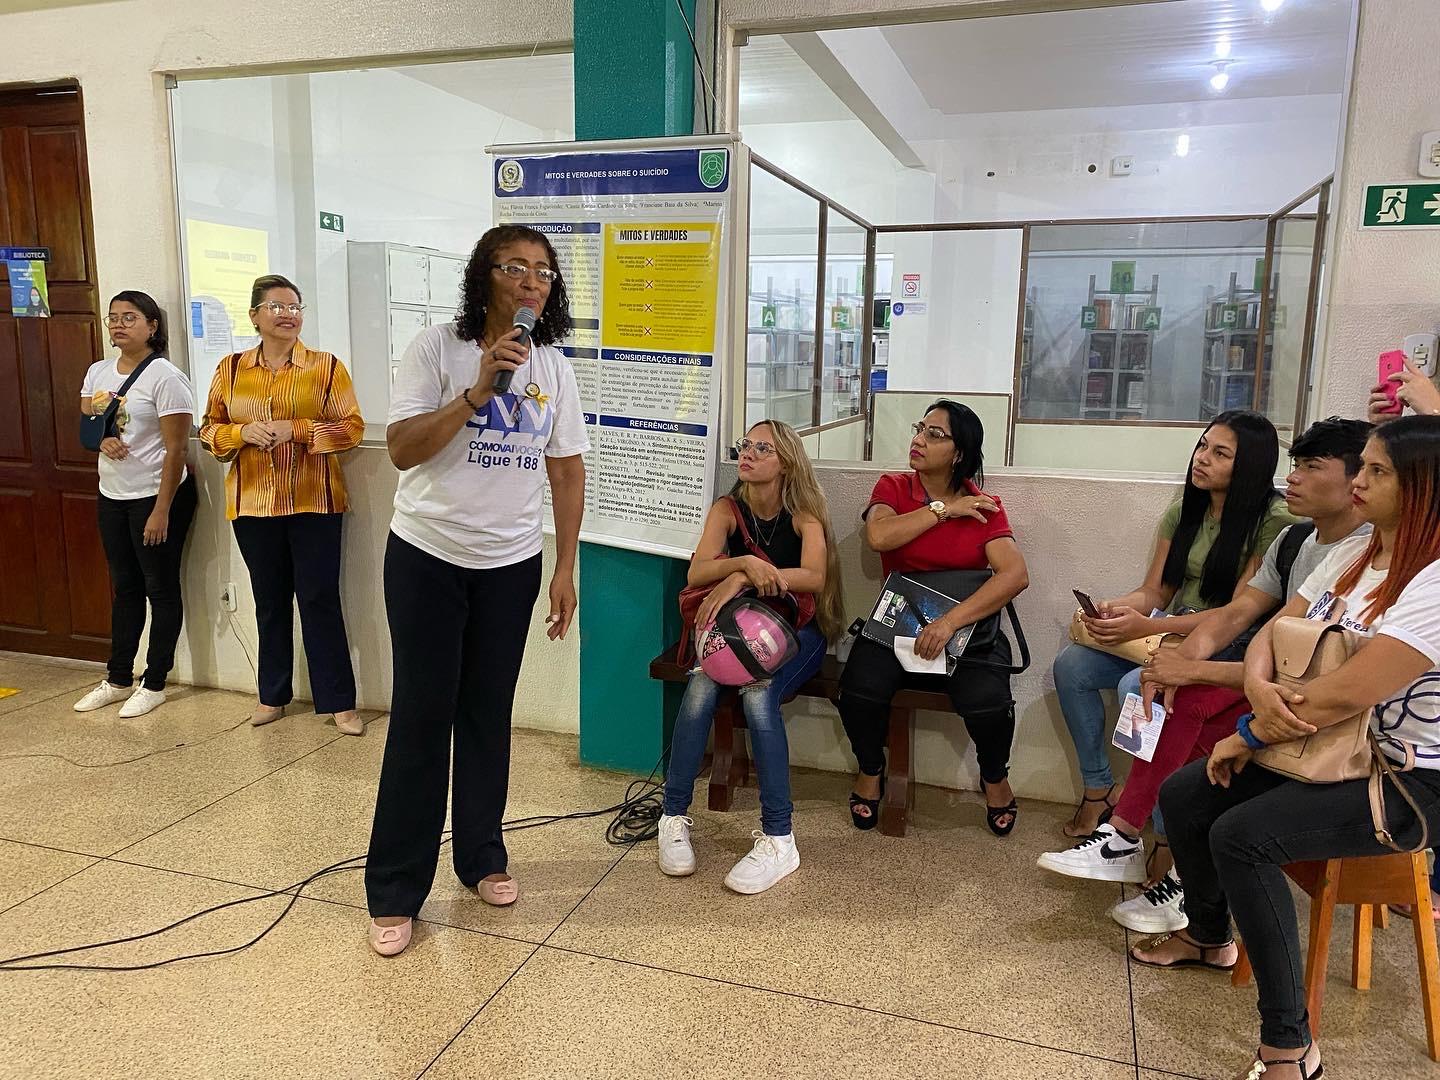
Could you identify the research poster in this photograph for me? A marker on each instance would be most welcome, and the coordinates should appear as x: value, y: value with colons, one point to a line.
x: 223, y: 261
x: 642, y: 240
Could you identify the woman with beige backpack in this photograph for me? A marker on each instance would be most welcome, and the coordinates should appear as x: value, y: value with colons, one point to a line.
x: 1367, y: 708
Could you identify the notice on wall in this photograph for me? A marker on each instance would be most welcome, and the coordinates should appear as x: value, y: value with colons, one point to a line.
x: 29, y: 291
x: 223, y: 261
x: 642, y: 241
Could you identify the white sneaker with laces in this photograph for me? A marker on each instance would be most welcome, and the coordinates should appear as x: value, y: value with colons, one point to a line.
x: 677, y: 857
x: 142, y: 702
x: 770, y: 860
x: 1159, y: 909
x: 1104, y: 855
x: 102, y: 695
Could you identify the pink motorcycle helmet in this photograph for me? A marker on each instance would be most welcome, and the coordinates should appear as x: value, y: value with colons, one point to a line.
x: 749, y: 641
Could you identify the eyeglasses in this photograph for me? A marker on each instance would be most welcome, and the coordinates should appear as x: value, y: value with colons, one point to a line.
x: 516, y: 272
x: 931, y: 433
x: 759, y: 449
x: 127, y: 318
x: 275, y: 308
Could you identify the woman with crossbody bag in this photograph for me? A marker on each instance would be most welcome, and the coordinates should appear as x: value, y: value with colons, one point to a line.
x: 1233, y: 828
x: 771, y: 534
x: 136, y: 411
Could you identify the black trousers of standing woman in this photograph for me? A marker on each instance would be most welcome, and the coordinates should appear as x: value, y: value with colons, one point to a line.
x: 1231, y: 846
x: 457, y: 639
x: 296, y: 557
x: 981, y: 696
x: 140, y: 572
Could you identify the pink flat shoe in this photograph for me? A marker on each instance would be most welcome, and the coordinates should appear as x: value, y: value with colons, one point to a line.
x: 390, y: 940
x: 499, y: 893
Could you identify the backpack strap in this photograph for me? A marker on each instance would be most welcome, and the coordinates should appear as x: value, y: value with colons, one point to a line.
x: 1289, y: 550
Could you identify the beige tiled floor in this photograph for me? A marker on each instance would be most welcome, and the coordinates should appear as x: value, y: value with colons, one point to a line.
x: 945, y: 954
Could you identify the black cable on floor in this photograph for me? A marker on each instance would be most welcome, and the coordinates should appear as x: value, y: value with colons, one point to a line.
x: 636, y: 819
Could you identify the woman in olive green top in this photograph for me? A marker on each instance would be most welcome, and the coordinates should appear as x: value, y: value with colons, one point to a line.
x: 1207, y: 547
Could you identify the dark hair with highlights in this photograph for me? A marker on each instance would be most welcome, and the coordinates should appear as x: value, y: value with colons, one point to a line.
x: 554, y: 322
x: 1247, y: 502
x: 159, y: 341
x: 264, y: 284
x: 967, y: 435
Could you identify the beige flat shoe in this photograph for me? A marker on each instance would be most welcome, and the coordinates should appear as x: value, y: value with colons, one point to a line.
x: 349, y: 723
x: 266, y: 714
x: 499, y: 893
x: 390, y: 940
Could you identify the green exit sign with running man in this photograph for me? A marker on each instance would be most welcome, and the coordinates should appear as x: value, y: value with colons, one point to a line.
x: 1402, y: 206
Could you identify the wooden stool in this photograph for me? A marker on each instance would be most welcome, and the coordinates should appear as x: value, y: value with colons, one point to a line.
x: 1369, y: 884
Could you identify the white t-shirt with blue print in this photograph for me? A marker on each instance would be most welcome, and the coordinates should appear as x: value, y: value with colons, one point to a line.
x: 1413, y: 715
x: 478, y: 503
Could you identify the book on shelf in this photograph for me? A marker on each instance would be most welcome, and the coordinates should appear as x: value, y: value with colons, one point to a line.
x: 1103, y: 312
x: 1097, y: 390
x: 1135, y: 394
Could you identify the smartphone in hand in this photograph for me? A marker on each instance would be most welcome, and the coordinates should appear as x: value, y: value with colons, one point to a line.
x: 1391, y: 363
x: 1086, y: 604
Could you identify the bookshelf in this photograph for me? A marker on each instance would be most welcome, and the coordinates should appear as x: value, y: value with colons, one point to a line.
x: 780, y: 357
x: 1027, y: 343
x: 1232, y: 349
x: 1117, y: 353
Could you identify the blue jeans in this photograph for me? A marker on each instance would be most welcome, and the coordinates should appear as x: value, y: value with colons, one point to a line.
x: 1080, y: 675
x: 768, y: 744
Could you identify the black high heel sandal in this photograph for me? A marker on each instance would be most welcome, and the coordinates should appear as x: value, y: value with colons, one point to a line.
x: 868, y: 821
x: 993, y: 814
x: 1261, y: 1066
x: 1104, y: 814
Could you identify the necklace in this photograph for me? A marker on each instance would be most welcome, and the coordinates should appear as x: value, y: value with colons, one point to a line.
x: 765, y: 541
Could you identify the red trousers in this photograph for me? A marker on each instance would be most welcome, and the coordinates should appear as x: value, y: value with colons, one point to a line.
x: 1201, y: 717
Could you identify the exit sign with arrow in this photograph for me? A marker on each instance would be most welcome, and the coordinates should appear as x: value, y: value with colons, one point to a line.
x: 332, y: 222
x: 1402, y: 206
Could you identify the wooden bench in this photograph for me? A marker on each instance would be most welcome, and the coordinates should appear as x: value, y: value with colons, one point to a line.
x: 730, y: 764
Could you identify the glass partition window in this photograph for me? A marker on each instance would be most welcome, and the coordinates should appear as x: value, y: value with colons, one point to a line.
x: 844, y: 322
x: 780, y: 331
x: 1156, y: 321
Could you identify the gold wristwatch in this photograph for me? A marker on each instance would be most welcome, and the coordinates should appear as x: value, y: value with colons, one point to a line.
x: 938, y: 509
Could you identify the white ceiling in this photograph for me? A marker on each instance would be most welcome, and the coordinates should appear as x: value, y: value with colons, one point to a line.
x: 536, y: 90
x: 1135, y: 55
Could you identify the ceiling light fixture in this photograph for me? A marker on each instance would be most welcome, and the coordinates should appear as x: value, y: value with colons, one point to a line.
x: 1221, y: 78
x: 1182, y: 146
x: 1271, y: 5
x: 1222, y: 49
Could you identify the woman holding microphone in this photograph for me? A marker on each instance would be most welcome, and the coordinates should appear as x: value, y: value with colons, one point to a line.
x: 462, y: 568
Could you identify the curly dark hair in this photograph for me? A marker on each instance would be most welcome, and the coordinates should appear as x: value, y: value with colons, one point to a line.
x: 554, y: 322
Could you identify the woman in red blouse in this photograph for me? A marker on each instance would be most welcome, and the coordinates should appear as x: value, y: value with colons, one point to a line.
x: 937, y: 518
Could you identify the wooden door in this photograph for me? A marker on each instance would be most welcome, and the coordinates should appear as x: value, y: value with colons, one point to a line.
x: 54, y: 585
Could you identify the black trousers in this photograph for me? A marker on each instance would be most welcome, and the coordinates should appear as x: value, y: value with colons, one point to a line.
x: 139, y: 573
x: 457, y: 640
x: 980, y: 695
x: 296, y: 557
x: 1230, y: 847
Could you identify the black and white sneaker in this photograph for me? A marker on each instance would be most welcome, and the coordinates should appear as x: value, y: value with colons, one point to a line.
x: 1104, y: 855
x: 1160, y: 909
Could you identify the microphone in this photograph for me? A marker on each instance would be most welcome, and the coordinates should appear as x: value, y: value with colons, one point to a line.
x: 525, y: 320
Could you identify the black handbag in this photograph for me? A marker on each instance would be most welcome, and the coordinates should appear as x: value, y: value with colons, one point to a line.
x: 95, y: 428
x: 988, y: 646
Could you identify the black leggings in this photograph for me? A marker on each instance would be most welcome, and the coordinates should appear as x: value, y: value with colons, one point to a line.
x: 140, y: 572
x: 1230, y: 847
x: 457, y: 638
x: 980, y: 695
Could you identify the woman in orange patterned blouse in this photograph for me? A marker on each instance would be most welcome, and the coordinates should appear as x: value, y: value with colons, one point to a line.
x: 282, y: 414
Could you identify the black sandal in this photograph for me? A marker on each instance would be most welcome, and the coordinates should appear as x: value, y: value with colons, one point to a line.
x: 1104, y: 814
x: 861, y: 821
x: 993, y: 814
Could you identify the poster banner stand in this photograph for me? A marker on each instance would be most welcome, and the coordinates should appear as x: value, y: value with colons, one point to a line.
x: 645, y: 235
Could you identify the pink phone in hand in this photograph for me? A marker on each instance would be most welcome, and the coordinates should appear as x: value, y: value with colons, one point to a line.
x: 1391, y: 363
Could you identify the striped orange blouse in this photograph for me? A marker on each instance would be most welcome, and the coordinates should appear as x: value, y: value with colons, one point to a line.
x: 302, y: 476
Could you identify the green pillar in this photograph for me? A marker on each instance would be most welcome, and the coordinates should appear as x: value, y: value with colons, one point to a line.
x: 634, y: 78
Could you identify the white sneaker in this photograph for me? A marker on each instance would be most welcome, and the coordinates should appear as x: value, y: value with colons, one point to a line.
x: 142, y: 702
x: 677, y: 857
x: 1104, y: 855
x: 771, y: 859
x: 1157, y: 910
x: 102, y: 695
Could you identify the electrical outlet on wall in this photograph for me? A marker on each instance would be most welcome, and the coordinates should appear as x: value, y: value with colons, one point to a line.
x: 1430, y: 154
x: 1420, y: 348
x: 1122, y: 166
x: 227, y: 596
